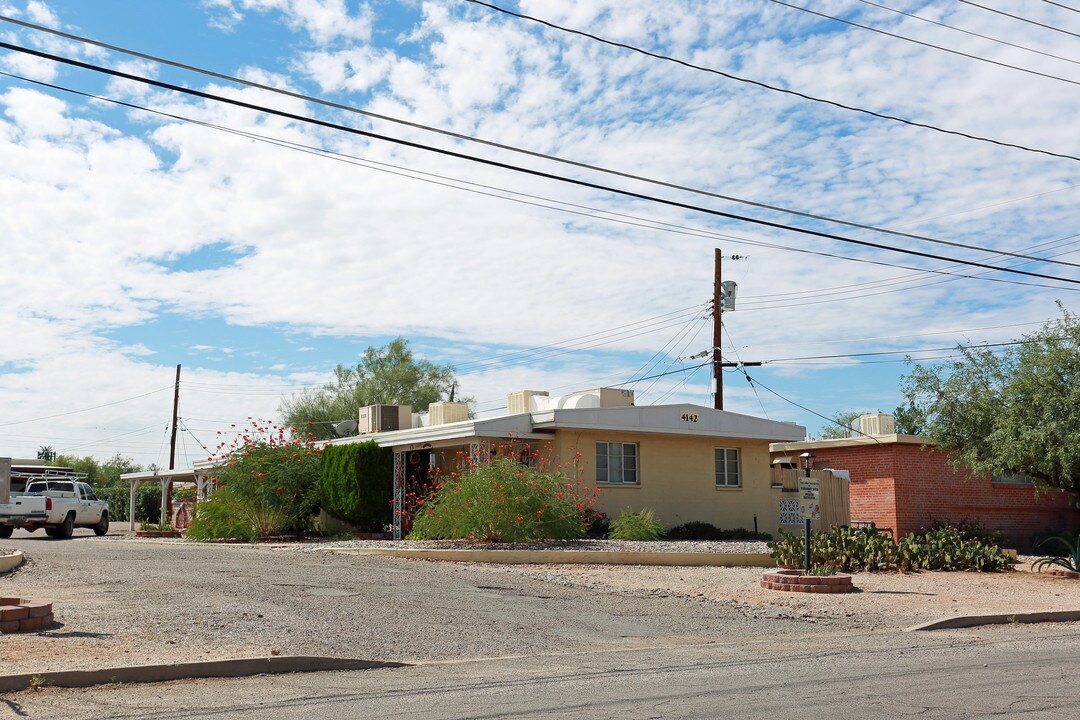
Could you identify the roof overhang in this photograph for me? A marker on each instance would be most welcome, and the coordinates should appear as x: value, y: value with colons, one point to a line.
x: 798, y: 447
x: 682, y: 419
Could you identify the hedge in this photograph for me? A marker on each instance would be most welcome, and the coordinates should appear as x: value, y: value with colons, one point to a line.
x: 357, y: 485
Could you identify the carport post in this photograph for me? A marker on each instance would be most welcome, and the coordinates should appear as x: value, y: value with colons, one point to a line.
x: 131, y: 503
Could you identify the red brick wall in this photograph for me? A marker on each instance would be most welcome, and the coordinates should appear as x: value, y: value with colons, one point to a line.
x: 904, y: 487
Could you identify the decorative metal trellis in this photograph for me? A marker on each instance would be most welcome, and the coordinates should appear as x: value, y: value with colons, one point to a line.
x: 399, y: 492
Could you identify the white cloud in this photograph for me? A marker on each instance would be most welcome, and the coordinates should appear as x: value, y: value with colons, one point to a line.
x: 105, y: 207
x: 323, y: 20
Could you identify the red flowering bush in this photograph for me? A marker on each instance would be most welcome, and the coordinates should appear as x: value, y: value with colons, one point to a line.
x: 503, y: 501
x: 267, y: 484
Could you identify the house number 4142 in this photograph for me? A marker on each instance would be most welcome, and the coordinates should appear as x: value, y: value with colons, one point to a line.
x: 689, y: 417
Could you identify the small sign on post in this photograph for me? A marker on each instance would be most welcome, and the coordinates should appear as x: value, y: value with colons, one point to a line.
x: 810, y: 497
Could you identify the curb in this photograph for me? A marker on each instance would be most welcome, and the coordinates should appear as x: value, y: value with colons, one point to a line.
x: 966, y: 621
x: 187, y: 671
x: 10, y: 562
x: 568, y: 557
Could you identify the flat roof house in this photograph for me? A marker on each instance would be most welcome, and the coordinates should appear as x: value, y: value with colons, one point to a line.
x: 902, y: 483
x: 686, y: 462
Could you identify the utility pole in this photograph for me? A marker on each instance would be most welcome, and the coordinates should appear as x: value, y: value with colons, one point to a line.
x: 166, y: 504
x: 718, y: 372
x: 175, y: 413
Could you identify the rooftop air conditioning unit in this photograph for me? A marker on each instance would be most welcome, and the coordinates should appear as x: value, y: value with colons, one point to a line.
x: 877, y: 424
x: 521, y: 401
x: 443, y: 412
x: 384, y: 418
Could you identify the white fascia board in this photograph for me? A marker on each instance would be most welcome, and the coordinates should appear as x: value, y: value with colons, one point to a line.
x: 667, y: 420
x: 516, y: 426
x: 160, y: 474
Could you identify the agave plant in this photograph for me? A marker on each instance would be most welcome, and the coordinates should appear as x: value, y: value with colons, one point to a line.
x: 1069, y: 561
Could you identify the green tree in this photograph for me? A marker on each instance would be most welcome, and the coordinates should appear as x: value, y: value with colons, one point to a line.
x: 838, y: 428
x: 1016, y: 413
x: 46, y: 453
x: 389, y: 375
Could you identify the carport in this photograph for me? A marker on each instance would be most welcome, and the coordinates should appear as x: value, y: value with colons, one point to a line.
x: 166, y: 478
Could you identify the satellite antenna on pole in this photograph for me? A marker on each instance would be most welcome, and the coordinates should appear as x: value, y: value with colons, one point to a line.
x: 346, y: 427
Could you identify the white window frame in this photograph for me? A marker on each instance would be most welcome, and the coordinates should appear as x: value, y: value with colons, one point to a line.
x: 721, y: 473
x: 608, y: 454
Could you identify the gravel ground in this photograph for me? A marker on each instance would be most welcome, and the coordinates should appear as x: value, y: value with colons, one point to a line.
x: 603, y: 545
x: 122, y: 601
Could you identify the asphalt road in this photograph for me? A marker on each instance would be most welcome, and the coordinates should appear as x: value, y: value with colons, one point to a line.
x: 485, y: 643
x: 1008, y: 673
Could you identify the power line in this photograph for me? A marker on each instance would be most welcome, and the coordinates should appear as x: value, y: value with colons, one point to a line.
x: 803, y: 407
x: 926, y: 44
x: 1060, y: 5
x: 774, y: 88
x: 530, y: 153
x: 523, y: 170
x: 95, y: 407
x: 1021, y: 19
x: 968, y: 32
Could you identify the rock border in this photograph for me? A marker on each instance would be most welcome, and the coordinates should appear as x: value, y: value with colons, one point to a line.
x: 18, y: 615
x: 799, y: 581
x: 1062, y: 572
x: 12, y: 561
x: 571, y: 557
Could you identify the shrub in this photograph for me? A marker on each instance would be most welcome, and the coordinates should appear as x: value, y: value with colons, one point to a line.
x: 222, y: 516
x: 1070, y: 559
x: 697, y: 530
x: 641, y: 525
x: 847, y: 549
x: 503, y: 501
x: 356, y: 485
x: 597, y: 524
x: 270, y: 485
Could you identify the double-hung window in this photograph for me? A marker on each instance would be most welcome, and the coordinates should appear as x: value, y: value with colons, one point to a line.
x: 727, y: 468
x: 617, y: 463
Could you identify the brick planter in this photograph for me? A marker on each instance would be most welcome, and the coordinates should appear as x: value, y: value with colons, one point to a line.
x: 20, y: 615
x: 1062, y: 572
x: 157, y: 533
x: 797, y: 581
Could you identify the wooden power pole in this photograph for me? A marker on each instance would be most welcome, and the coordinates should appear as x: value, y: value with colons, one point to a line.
x: 167, y: 505
x: 717, y: 361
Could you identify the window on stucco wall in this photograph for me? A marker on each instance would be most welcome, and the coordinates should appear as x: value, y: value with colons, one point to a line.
x: 616, y: 463
x: 727, y: 468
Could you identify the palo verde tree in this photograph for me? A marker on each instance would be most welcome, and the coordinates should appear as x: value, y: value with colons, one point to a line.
x: 1016, y: 413
x: 389, y: 375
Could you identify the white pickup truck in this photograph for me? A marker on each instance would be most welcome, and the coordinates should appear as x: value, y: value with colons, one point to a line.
x: 57, y: 503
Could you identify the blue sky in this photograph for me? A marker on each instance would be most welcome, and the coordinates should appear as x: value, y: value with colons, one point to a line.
x: 135, y: 242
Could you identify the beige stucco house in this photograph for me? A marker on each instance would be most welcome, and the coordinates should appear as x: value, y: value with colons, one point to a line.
x: 686, y: 462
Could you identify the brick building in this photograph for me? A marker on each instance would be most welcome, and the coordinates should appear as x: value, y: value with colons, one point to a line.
x: 901, y: 483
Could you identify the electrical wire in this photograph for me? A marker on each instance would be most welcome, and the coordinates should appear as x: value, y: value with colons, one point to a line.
x: 530, y: 153
x: 803, y: 407
x: 1021, y: 19
x: 528, y: 171
x: 927, y: 44
x: 968, y: 32
x: 82, y: 410
x: 639, y: 222
x: 774, y: 88
x: 1060, y: 5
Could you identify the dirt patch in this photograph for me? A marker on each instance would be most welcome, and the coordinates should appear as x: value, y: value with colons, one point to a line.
x: 881, y: 600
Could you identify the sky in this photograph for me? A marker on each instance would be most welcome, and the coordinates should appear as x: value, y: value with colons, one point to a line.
x: 259, y: 251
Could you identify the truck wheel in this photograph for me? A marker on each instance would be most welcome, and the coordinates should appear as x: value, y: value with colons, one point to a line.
x: 64, y: 531
x: 5, y: 531
x: 102, y: 526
